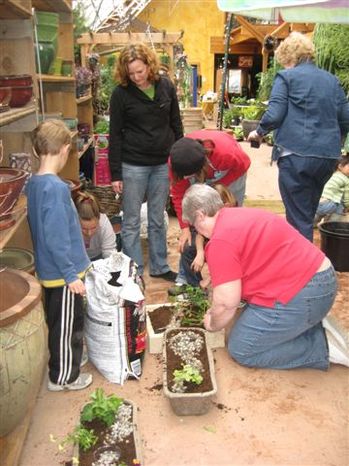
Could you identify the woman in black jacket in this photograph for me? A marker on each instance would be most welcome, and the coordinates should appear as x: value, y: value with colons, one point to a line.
x: 144, y: 123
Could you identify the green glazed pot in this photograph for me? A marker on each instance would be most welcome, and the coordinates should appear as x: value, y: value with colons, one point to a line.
x: 47, y: 55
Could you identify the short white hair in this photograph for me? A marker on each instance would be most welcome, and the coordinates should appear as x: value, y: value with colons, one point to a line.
x: 200, y: 197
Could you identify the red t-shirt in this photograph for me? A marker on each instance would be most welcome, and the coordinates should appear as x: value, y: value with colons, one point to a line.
x: 227, y: 157
x: 272, y: 259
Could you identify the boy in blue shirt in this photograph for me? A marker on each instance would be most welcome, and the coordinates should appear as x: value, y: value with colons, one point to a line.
x: 60, y: 256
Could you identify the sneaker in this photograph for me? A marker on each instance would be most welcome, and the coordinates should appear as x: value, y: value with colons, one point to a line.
x: 334, y: 328
x: 84, y: 358
x: 336, y: 353
x: 83, y: 381
x: 170, y: 276
x: 177, y: 289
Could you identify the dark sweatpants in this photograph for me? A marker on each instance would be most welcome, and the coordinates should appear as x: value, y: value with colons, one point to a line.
x: 65, y: 321
x: 301, y: 182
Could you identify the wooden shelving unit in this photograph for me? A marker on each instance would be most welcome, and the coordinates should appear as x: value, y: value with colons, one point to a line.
x: 15, y: 9
x: 55, y: 78
x: 17, y: 52
x: 15, y: 114
x: 82, y: 100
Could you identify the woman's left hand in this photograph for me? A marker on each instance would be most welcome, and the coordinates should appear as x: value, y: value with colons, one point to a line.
x: 254, y: 136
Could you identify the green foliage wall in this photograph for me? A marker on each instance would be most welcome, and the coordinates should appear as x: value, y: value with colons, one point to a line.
x: 332, y: 50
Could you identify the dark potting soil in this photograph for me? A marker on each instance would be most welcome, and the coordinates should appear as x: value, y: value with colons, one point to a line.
x: 175, y: 362
x: 127, y: 446
x: 161, y: 317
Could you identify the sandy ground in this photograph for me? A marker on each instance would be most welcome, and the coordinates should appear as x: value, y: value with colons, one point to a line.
x: 259, y: 417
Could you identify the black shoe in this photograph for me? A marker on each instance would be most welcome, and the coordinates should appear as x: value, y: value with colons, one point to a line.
x: 169, y: 276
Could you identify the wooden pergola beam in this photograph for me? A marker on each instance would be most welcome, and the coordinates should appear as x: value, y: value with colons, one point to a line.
x: 123, y: 38
x: 250, y: 28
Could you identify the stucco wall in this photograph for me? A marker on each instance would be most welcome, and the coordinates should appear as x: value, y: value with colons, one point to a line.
x: 199, y: 20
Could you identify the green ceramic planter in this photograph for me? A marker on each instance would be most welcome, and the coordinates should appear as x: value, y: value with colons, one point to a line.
x: 47, y: 55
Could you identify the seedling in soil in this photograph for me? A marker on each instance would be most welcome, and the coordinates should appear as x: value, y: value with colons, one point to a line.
x: 193, y: 307
x: 102, y: 407
x: 187, y: 374
x: 81, y: 436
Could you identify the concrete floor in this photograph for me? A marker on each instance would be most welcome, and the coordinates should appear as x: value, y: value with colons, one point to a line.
x: 260, y: 417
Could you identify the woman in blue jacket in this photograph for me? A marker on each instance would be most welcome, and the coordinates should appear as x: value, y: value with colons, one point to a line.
x: 144, y: 123
x: 309, y: 112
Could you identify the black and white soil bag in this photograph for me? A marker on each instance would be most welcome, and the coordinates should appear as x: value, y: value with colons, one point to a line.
x: 115, y: 330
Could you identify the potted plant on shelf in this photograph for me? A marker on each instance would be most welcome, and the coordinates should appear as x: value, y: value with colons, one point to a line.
x: 107, y: 433
x: 186, y: 311
x: 189, y: 380
x: 83, y: 79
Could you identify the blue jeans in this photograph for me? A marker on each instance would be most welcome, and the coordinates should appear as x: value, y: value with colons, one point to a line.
x: 329, y: 207
x: 238, y: 188
x: 153, y: 182
x: 301, y: 182
x: 288, y: 335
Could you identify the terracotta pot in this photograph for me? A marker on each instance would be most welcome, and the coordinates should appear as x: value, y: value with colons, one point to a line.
x: 17, y: 258
x: 5, y: 96
x: 16, y: 80
x: 22, y: 345
x: 11, y: 183
x: 21, y: 95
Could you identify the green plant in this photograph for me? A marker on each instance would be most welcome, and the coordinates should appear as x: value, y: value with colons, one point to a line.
x: 187, y: 374
x: 253, y: 112
x: 266, y: 80
x: 239, y: 100
x: 194, y: 306
x: 332, y: 50
x: 81, y: 436
x: 108, y: 82
x: 238, y: 133
x: 102, y: 407
x: 101, y: 127
x: 227, y: 118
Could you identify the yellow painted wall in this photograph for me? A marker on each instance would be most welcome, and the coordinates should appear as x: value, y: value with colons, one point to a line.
x: 199, y: 19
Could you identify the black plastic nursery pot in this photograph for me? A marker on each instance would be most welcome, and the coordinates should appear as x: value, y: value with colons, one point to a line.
x: 335, y: 244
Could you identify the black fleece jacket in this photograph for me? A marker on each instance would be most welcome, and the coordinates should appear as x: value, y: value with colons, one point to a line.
x: 142, y: 130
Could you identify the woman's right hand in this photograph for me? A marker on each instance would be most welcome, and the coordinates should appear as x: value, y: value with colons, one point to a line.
x: 117, y: 186
x: 184, y: 238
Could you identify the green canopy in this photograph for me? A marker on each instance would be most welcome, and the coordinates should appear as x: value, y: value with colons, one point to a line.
x: 291, y: 11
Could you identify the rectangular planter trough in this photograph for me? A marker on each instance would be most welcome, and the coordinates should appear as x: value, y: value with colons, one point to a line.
x: 155, y: 340
x: 135, y: 436
x: 189, y: 404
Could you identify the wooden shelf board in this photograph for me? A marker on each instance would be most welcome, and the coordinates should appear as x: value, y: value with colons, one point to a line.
x: 21, y: 209
x: 13, y: 9
x: 53, y: 5
x: 83, y: 99
x: 55, y: 78
x: 16, y: 114
x: 86, y: 146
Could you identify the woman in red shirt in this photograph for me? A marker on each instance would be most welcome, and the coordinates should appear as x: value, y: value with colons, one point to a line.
x: 289, y: 286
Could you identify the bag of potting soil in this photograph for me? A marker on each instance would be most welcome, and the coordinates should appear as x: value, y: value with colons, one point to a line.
x: 115, y: 330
